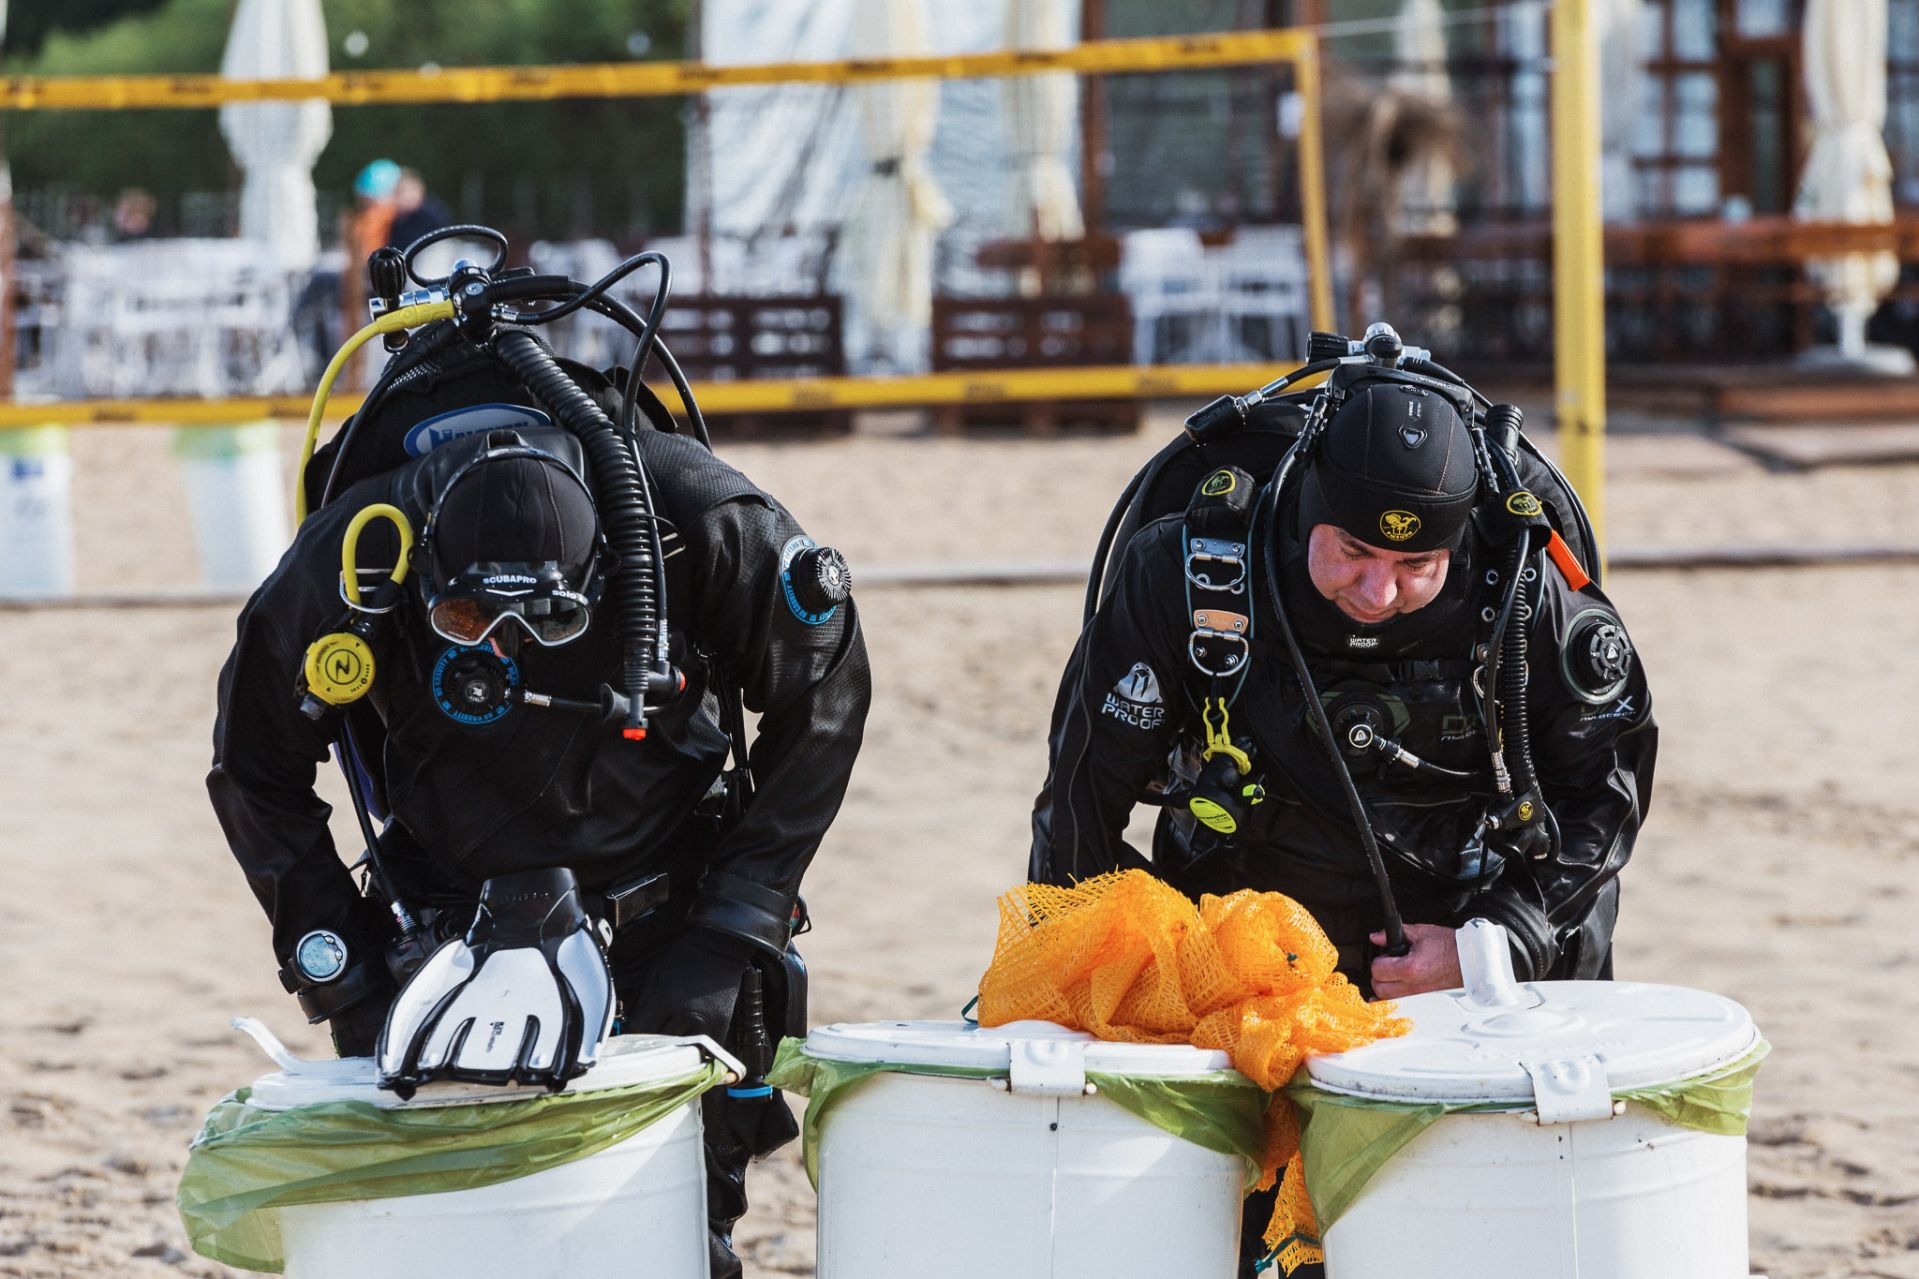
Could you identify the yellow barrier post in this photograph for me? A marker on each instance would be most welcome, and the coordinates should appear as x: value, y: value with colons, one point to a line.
x: 1579, y: 302
x: 1312, y: 188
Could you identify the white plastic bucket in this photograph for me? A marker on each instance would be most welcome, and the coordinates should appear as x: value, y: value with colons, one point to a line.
x: 1023, y: 1177
x: 1564, y: 1182
x: 237, y: 488
x: 36, y: 513
x: 638, y: 1206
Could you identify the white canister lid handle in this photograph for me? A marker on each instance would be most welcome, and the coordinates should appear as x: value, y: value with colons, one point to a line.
x: 1486, y: 965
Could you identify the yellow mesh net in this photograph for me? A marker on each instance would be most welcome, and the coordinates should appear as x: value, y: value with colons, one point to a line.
x: 1128, y: 958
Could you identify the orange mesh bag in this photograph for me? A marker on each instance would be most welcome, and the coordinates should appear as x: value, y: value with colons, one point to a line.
x: 1126, y: 957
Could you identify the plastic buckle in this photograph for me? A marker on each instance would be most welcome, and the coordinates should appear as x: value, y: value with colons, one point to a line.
x: 1570, y: 1089
x: 1216, y: 551
x: 1214, y: 626
x: 1048, y: 1067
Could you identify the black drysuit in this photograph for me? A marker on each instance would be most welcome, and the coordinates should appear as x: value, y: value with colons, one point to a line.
x: 543, y: 787
x: 1127, y: 718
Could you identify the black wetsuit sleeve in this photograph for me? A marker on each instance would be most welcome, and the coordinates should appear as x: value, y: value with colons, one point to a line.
x: 266, y: 755
x: 810, y: 685
x: 1116, y: 717
x: 1595, y: 764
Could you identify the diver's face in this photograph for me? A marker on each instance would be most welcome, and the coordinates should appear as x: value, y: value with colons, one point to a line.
x: 1368, y: 584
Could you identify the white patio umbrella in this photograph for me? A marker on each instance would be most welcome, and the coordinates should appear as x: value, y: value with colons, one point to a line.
x: 276, y: 143
x: 898, y: 208
x: 1848, y: 174
x: 1618, y: 23
x: 1040, y: 111
x: 1425, y: 199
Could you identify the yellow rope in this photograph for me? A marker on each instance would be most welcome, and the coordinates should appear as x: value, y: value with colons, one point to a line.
x: 773, y: 395
x: 646, y: 79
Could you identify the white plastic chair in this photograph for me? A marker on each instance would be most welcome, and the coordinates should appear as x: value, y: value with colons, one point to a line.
x: 1166, y: 278
x: 1263, y: 295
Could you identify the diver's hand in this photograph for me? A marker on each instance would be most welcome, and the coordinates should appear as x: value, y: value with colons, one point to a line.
x: 1432, y: 963
x: 688, y: 986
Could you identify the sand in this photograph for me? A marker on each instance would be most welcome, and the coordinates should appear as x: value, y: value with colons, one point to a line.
x: 1776, y: 866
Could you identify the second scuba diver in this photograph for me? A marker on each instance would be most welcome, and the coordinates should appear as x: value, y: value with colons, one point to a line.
x: 492, y: 737
x: 1375, y: 678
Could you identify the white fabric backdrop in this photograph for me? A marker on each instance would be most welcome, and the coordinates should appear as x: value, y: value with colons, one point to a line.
x: 1848, y: 174
x: 276, y: 143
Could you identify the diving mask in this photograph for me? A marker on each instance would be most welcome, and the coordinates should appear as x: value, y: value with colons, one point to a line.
x: 475, y: 602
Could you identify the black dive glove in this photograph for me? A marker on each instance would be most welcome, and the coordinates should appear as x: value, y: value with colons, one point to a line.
x: 687, y: 986
x: 356, y: 1030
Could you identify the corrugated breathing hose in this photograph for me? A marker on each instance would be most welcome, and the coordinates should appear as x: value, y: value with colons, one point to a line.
x: 625, y: 513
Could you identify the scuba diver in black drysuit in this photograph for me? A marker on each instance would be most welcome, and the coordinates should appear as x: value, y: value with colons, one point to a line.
x: 557, y: 683
x: 1348, y: 643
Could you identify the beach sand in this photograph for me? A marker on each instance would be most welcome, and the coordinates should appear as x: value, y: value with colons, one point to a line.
x: 1777, y: 866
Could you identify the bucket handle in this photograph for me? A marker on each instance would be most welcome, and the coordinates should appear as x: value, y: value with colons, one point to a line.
x: 270, y: 1044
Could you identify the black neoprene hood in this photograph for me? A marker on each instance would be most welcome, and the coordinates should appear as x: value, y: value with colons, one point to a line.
x: 1395, y: 470
x: 514, y: 510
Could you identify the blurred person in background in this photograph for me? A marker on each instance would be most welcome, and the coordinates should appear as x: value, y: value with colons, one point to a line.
x: 415, y: 210
x: 366, y: 226
x: 133, y: 214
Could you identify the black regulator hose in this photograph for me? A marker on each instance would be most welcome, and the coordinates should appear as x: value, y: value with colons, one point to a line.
x: 1511, y: 638
x: 1511, y: 675
x: 435, y: 339
x: 1264, y: 517
x: 626, y: 514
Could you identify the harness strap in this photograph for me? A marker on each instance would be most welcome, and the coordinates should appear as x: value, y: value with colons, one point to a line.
x: 1215, y: 541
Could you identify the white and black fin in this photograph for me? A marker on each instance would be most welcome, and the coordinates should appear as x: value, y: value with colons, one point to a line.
x: 526, y: 997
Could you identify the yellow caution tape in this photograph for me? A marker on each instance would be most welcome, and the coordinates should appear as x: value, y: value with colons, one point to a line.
x: 797, y: 395
x: 641, y: 79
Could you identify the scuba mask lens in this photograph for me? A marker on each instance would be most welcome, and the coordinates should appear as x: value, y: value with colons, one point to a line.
x: 474, y: 605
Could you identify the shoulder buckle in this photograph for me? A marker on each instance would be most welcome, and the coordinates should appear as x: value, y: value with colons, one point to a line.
x: 1218, y: 645
x: 1228, y: 556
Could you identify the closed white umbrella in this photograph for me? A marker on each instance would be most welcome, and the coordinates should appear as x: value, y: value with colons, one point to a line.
x: 276, y: 143
x: 1848, y: 174
x: 1424, y: 189
x: 1041, y: 110
x: 898, y: 207
x: 1618, y: 23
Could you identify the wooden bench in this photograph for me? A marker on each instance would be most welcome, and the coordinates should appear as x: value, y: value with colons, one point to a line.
x: 721, y: 338
x: 1066, y: 331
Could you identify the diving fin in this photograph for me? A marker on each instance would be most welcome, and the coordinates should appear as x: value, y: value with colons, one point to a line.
x: 526, y: 997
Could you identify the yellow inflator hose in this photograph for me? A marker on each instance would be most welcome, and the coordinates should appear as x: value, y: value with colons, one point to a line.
x: 406, y: 317
x: 350, y: 545
x: 339, y: 666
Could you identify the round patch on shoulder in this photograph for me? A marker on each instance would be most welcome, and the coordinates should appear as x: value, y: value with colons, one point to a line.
x: 1219, y: 482
x: 1596, y: 656
x: 1523, y: 503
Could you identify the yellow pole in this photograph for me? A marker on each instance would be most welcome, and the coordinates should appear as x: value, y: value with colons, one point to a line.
x: 1579, y: 304
x: 1312, y: 187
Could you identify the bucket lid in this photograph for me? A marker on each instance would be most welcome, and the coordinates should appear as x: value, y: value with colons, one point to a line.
x: 624, y: 1060
x: 1544, y: 1040
x: 958, y: 1043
